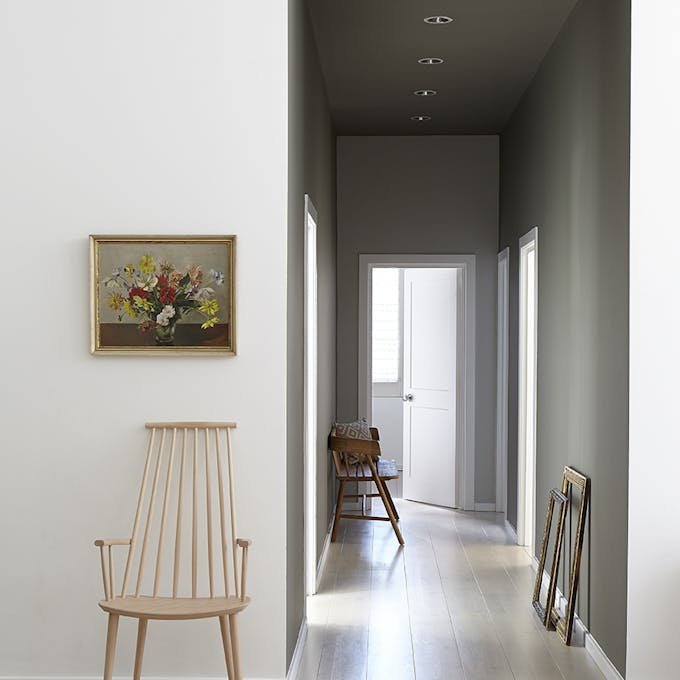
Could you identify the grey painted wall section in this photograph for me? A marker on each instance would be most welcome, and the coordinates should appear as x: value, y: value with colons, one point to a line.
x: 565, y: 168
x: 320, y: 164
x: 436, y: 194
x: 312, y: 171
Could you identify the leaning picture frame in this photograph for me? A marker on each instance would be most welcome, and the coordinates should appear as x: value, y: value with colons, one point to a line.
x: 162, y: 295
x: 555, y: 497
x: 573, y: 480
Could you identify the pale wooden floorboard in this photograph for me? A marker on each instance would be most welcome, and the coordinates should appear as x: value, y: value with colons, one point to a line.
x: 453, y: 604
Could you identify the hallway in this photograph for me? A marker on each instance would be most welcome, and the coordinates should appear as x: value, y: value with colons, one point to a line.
x: 453, y: 604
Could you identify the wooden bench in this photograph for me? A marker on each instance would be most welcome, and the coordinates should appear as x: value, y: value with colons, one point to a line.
x: 358, y: 460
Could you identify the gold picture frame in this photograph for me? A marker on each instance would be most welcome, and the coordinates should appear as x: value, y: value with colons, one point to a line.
x: 162, y: 295
x: 556, y: 497
x: 573, y: 479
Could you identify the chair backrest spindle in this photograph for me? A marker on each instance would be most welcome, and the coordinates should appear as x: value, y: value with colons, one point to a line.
x: 138, y: 513
x: 223, y: 527
x: 232, y: 511
x: 194, y: 520
x: 178, y: 530
x: 208, y: 504
x: 164, y: 515
x: 178, y: 464
x: 149, y: 517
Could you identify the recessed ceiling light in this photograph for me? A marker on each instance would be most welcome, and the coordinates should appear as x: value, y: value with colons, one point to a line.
x: 425, y: 93
x: 438, y: 19
x: 430, y: 60
x: 421, y: 118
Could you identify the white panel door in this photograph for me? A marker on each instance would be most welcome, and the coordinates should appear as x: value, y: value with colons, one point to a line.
x: 430, y: 322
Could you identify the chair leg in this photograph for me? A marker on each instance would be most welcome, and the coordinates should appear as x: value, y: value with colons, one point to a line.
x: 111, y: 637
x: 139, y: 653
x: 226, y: 643
x: 338, y: 510
x: 391, y: 500
x: 386, y: 503
x: 233, y: 629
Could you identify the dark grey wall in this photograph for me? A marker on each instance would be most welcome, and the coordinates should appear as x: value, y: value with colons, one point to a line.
x: 312, y: 171
x: 320, y: 169
x: 434, y: 194
x: 565, y: 169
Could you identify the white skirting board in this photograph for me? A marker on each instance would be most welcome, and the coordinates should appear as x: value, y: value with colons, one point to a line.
x: 581, y: 636
x: 294, y: 669
x: 485, y: 507
x: 324, y: 554
x: 513, y: 534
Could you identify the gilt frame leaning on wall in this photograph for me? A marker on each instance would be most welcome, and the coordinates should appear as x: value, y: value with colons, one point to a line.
x: 573, y: 479
x: 162, y: 295
x: 555, y: 498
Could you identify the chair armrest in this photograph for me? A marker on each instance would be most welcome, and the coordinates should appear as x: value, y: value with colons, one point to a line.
x: 103, y: 542
x: 108, y: 575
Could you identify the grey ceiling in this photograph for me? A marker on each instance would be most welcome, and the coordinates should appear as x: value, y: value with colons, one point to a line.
x: 369, y: 51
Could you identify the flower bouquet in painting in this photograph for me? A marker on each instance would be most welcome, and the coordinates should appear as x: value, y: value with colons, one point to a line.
x: 157, y: 295
x: 162, y: 295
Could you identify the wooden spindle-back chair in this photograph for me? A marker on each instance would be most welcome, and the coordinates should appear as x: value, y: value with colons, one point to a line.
x: 358, y: 460
x: 176, y: 567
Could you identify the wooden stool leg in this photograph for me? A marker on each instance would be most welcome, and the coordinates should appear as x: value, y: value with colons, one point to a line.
x: 111, y: 637
x: 233, y: 629
x: 226, y: 643
x: 386, y: 503
x: 391, y: 500
x: 338, y: 511
x: 139, y: 653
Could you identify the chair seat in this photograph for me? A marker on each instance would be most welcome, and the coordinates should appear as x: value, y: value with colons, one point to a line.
x: 358, y: 472
x: 170, y: 608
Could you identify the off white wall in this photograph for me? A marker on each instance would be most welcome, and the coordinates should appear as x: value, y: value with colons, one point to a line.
x: 653, y: 511
x: 421, y: 195
x: 161, y: 116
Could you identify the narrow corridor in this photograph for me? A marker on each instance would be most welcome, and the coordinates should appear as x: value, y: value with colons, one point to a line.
x: 453, y: 604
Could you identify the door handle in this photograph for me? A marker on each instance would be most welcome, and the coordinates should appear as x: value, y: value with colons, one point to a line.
x: 407, y: 397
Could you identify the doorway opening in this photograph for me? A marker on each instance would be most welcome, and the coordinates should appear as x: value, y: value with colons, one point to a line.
x: 310, y: 392
x: 528, y: 355
x: 416, y: 369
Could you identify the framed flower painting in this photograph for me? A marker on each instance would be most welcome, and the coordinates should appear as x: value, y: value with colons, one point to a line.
x: 162, y: 294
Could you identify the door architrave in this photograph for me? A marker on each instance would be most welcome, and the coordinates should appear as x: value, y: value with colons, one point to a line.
x: 465, y: 388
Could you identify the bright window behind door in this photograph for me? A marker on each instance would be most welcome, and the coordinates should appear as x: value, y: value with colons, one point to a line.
x: 386, y: 326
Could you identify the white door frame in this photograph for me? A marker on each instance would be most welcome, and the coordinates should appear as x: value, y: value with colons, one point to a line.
x: 465, y: 433
x: 503, y: 334
x: 527, y: 243
x: 310, y: 392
